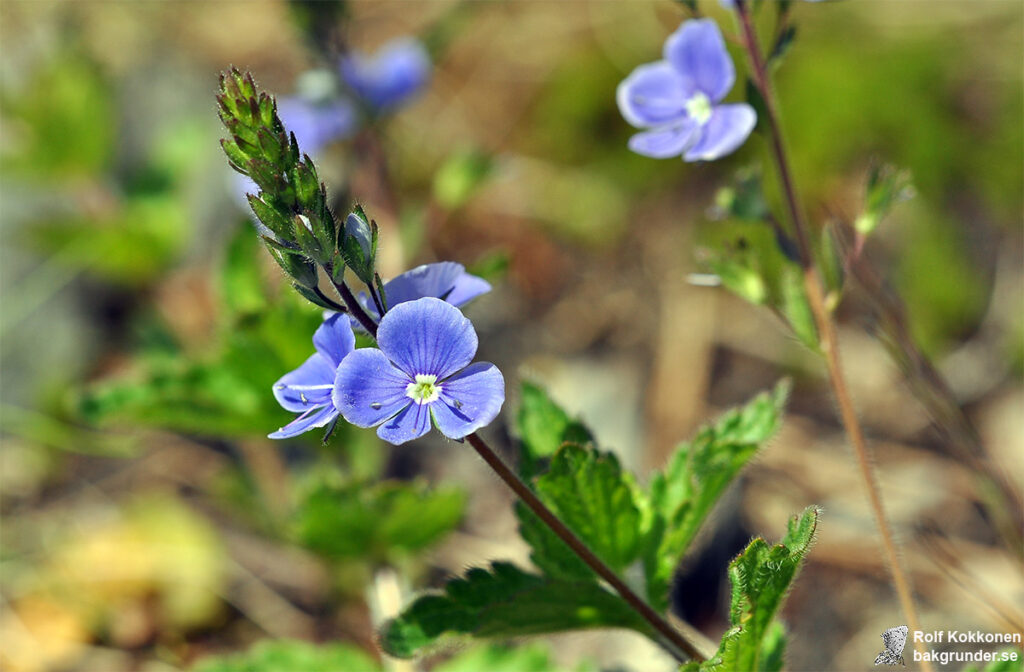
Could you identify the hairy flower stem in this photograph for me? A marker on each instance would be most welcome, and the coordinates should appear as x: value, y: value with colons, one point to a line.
x: 826, y: 327
x: 673, y: 641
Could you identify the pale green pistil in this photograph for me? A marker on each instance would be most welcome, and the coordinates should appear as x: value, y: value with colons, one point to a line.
x: 698, y: 106
x: 424, y: 390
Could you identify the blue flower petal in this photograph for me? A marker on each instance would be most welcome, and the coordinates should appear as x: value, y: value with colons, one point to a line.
x: 469, y: 400
x: 412, y: 423
x: 665, y: 142
x: 368, y: 389
x: 726, y: 130
x: 467, y: 287
x: 317, y: 125
x: 697, y: 51
x: 306, y: 387
x: 309, y: 420
x: 396, y: 73
x: 652, y: 95
x: 427, y: 336
x: 334, y: 339
x: 446, y: 279
x: 435, y: 280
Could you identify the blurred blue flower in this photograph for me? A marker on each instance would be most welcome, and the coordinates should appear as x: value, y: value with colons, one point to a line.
x: 678, y: 100
x: 445, y: 280
x: 390, y: 77
x: 307, y: 390
x: 317, y: 124
x: 421, y: 372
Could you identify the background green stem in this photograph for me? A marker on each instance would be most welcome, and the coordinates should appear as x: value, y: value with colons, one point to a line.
x: 829, y: 341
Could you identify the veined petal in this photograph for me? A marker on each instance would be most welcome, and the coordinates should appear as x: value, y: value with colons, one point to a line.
x: 467, y: 287
x: 435, y: 280
x: 665, y: 142
x: 652, y: 95
x: 411, y: 423
x: 307, y: 386
x: 334, y: 339
x: 697, y: 51
x: 314, y: 417
x: 469, y: 400
x: 427, y: 336
x: 368, y: 389
x: 725, y: 131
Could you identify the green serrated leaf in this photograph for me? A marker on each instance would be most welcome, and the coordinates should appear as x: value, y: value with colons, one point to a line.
x: 590, y: 493
x: 760, y: 577
x: 549, y: 553
x: 682, y: 496
x: 292, y: 656
x: 504, y: 601
x: 543, y: 428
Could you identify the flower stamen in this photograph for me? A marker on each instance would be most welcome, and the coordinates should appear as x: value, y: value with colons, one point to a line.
x: 698, y: 106
x: 424, y: 390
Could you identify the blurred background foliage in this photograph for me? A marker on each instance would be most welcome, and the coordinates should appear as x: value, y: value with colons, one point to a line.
x: 148, y: 524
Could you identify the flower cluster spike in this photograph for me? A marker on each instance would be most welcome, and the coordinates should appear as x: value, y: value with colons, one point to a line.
x: 295, y: 222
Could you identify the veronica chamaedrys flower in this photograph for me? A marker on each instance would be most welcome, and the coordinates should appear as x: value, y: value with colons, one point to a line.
x: 677, y: 101
x: 445, y: 280
x: 391, y: 76
x: 421, y: 373
x: 307, y: 390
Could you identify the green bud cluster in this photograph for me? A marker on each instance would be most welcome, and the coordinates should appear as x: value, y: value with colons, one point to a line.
x: 300, y: 231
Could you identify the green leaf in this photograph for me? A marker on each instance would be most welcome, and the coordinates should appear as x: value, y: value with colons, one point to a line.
x: 543, y: 428
x: 683, y: 495
x: 589, y: 492
x: 744, y: 199
x: 796, y: 308
x: 292, y: 656
x: 886, y: 187
x: 375, y: 522
x: 757, y: 102
x: 773, y: 649
x: 782, y: 45
x: 1012, y: 661
x: 760, y: 577
x: 495, y: 658
x: 503, y: 602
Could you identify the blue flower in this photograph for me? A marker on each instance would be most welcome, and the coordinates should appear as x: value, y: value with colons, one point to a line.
x: 307, y: 390
x: 444, y: 280
x: 396, y: 73
x: 678, y: 100
x: 421, y: 372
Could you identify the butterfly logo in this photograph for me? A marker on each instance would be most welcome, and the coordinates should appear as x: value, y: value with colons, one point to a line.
x: 894, y: 640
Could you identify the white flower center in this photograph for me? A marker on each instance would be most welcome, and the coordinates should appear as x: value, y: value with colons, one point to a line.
x: 424, y: 390
x: 698, y: 106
